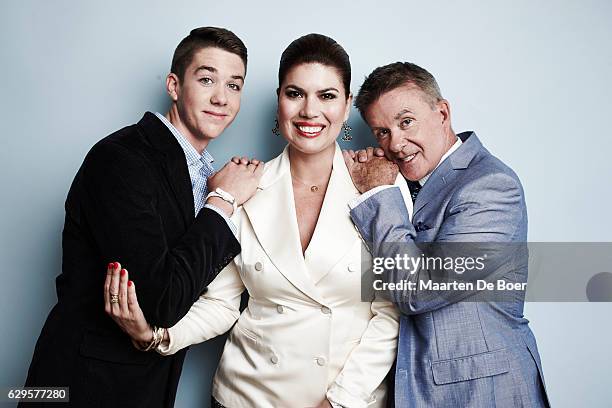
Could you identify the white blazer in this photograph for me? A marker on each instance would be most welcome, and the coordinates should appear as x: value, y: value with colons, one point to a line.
x: 305, y: 334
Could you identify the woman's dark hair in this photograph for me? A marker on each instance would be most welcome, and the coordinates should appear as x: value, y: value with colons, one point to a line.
x: 316, y: 48
x: 204, y: 37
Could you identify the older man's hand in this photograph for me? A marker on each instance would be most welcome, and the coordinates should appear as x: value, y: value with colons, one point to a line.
x: 369, y: 170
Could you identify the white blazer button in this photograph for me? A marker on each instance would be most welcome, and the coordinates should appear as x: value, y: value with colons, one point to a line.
x: 351, y: 267
x: 258, y: 266
x: 321, y: 361
x: 280, y: 309
x: 325, y: 310
x: 274, y: 359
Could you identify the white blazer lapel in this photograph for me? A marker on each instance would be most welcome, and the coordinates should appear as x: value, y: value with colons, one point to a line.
x: 334, y: 234
x: 272, y: 214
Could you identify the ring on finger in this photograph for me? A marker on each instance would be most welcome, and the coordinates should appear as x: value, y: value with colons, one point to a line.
x: 114, y: 298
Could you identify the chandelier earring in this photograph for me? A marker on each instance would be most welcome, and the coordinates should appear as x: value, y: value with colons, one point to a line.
x: 275, y: 130
x: 347, y: 132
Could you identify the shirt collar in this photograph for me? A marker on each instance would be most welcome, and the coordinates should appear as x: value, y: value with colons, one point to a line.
x: 448, y: 153
x: 191, y: 154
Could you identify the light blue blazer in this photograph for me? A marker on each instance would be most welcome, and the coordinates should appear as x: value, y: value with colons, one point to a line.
x: 454, y: 351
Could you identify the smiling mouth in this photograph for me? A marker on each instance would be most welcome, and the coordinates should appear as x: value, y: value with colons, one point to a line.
x: 216, y: 114
x: 407, y: 159
x: 308, y: 130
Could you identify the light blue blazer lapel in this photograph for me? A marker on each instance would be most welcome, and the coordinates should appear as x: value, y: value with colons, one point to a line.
x: 446, y: 172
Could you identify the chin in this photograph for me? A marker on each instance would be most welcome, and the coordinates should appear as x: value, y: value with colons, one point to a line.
x: 212, y: 132
x: 411, y: 174
x: 415, y: 170
x: 311, y: 146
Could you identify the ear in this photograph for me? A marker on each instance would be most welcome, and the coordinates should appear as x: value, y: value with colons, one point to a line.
x: 445, y: 114
x: 349, y: 104
x: 173, y: 86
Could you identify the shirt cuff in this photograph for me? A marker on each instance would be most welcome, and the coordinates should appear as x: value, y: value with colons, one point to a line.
x: 356, y: 201
x: 229, y: 222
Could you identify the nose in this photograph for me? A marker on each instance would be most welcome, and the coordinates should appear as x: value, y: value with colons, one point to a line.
x: 218, y: 96
x: 397, y: 142
x: 310, y: 108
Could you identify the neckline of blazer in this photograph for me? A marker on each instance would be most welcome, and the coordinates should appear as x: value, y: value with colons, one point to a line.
x: 273, y: 218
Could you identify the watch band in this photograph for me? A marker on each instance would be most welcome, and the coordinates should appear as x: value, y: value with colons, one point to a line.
x: 225, y: 196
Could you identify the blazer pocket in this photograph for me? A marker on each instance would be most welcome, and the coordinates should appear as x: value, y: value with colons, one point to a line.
x: 247, y: 333
x: 470, y: 367
x: 253, y: 350
x: 107, y: 348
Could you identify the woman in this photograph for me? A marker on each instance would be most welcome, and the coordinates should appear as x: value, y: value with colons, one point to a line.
x: 305, y: 339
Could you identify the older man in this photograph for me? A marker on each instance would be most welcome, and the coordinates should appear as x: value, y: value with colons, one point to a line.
x: 456, y: 347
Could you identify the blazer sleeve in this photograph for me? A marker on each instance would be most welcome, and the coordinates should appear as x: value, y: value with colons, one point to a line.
x: 119, y: 190
x: 370, y: 360
x: 214, y: 313
x: 483, y: 216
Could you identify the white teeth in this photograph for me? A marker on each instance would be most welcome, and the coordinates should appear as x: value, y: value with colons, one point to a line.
x: 407, y: 159
x: 310, y: 129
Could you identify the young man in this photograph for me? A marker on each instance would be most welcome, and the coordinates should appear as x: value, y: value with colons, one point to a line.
x: 455, y: 349
x: 140, y: 196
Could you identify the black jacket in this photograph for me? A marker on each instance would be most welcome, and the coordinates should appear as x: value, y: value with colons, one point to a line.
x: 131, y: 201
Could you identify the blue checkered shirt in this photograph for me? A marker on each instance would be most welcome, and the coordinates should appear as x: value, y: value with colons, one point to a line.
x: 200, y: 169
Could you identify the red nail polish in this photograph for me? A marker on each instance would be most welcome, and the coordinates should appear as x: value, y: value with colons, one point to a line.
x: 129, y: 283
x: 111, y: 265
x: 115, y: 265
x: 123, y: 271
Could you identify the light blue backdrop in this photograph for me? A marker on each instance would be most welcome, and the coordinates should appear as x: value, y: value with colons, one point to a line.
x: 532, y: 78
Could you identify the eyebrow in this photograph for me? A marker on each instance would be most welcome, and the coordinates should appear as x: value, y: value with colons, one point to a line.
x: 397, y: 117
x: 302, y: 90
x: 206, y: 68
x: 214, y: 71
x: 329, y: 89
x: 401, y: 113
